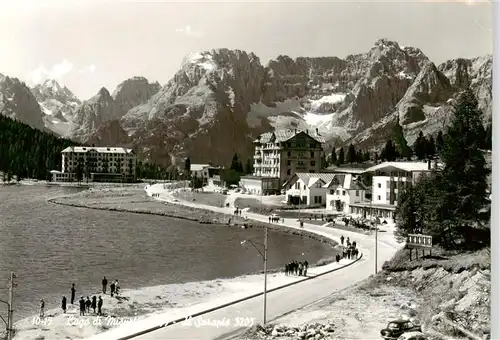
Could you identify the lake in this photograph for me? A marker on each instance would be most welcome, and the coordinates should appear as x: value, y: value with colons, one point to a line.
x: 50, y: 246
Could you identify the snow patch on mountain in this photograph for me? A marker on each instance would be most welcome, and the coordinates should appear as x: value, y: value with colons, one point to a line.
x: 259, y: 111
x: 45, y: 109
x: 330, y: 99
x: 204, y: 61
x: 230, y: 95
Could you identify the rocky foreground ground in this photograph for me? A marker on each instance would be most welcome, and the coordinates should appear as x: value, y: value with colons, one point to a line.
x: 444, y: 295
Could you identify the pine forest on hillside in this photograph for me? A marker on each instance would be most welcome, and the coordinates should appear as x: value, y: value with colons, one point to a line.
x: 26, y: 152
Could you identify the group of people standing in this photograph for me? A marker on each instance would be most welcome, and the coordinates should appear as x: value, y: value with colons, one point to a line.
x: 276, y: 219
x: 115, y: 289
x: 296, y: 268
x: 349, y: 250
x: 86, y: 305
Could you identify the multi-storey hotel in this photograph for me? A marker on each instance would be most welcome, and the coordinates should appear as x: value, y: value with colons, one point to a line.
x: 96, y: 164
x: 389, y: 180
x: 279, y: 155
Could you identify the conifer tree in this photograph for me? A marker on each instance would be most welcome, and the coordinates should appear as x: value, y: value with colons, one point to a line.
x: 439, y: 141
x: 333, y: 159
x: 341, y: 159
x: 420, y: 146
x: 465, y: 172
x: 400, y: 141
x: 430, y: 148
x: 351, y: 154
x: 488, y: 137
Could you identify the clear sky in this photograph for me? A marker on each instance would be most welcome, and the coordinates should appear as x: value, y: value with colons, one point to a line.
x: 93, y: 43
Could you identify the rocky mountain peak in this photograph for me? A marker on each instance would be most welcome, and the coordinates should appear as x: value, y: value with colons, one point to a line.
x: 92, y: 114
x: 103, y: 93
x: 51, y: 89
x: 133, y: 92
x: 17, y: 101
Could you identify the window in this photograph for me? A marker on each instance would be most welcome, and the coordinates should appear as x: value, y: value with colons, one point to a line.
x: 318, y: 185
x: 288, y: 172
x: 319, y: 199
x: 312, y: 171
x: 378, y: 197
x: 313, y: 163
x: 338, y: 192
x: 331, y: 192
x: 343, y: 192
x: 357, y: 193
x: 297, y: 185
x: 379, y: 185
x: 312, y: 153
x: 387, y: 196
x: 289, y: 162
x: 289, y: 154
x: 301, y: 154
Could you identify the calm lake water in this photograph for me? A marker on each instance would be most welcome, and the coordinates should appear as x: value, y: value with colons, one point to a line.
x: 49, y: 246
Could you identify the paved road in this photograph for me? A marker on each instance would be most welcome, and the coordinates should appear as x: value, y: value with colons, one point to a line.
x: 287, y: 299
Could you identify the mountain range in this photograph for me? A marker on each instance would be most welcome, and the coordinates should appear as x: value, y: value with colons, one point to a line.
x: 220, y: 100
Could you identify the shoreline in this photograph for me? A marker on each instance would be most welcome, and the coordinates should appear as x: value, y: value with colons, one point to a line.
x: 189, y: 213
x: 151, y: 300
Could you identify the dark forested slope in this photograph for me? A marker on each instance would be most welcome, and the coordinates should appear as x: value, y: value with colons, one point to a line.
x: 28, y: 152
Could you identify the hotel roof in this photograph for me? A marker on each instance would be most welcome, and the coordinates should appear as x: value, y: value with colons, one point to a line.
x: 401, y: 166
x: 284, y: 135
x: 105, y: 149
x: 199, y: 167
x: 310, y: 178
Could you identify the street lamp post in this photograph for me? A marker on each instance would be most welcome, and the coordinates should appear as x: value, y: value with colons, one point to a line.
x: 376, y: 247
x: 264, y: 257
x: 10, y: 313
x: 7, y: 323
x: 373, y: 222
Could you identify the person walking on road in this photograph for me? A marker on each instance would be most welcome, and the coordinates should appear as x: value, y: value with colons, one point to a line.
x: 88, y: 304
x: 82, y: 306
x: 112, y: 287
x: 42, y: 308
x: 73, y: 291
x: 104, y: 284
x: 306, y: 264
x: 94, y: 303
x: 99, y: 306
x: 63, y: 304
x: 342, y: 240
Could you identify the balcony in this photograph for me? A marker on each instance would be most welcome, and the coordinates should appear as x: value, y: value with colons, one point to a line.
x: 257, y: 156
x: 271, y: 148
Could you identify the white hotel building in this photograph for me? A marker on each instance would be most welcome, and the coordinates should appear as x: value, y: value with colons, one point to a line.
x: 279, y: 155
x: 97, y: 164
x: 389, y: 180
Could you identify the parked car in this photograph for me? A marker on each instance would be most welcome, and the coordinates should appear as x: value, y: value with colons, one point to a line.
x: 412, y: 336
x: 396, y: 328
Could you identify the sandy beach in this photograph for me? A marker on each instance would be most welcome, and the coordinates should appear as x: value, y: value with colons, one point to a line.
x: 140, y: 304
